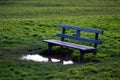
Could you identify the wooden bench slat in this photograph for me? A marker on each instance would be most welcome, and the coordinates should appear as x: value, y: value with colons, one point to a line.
x: 81, y: 39
x: 72, y: 45
x: 82, y: 29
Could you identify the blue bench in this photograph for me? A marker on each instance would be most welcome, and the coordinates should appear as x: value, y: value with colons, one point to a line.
x: 83, y: 48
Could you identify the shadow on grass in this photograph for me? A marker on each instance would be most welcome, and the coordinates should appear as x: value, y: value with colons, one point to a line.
x: 58, y: 53
x: 67, y: 54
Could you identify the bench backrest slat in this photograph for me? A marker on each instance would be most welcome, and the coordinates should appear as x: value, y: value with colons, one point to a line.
x: 81, y: 29
x: 78, y: 38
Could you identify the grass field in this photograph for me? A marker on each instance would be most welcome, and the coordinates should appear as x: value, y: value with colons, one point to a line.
x: 25, y: 23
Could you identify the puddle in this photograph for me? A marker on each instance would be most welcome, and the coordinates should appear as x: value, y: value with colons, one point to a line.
x: 39, y: 58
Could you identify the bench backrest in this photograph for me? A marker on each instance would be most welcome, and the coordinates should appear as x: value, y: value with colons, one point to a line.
x: 77, y: 36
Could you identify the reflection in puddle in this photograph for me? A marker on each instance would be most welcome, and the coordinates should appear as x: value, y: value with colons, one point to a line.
x: 40, y: 58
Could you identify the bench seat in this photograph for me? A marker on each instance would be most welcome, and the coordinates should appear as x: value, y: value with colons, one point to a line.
x: 72, y: 45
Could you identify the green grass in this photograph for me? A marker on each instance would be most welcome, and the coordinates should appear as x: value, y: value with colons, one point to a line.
x: 24, y: 24
x: 55, y: 8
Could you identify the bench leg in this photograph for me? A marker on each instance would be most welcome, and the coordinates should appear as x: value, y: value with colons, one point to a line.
x: 49, y: 51
x: 81, y: 55
x: 95, y: 52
